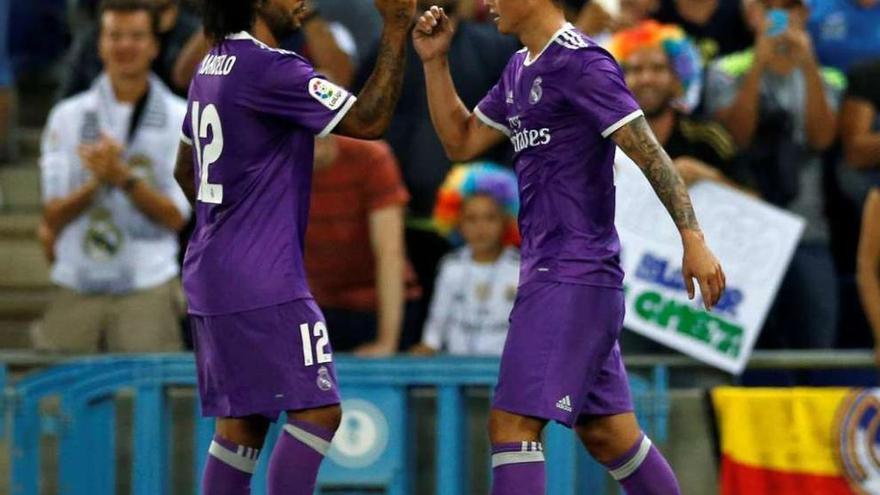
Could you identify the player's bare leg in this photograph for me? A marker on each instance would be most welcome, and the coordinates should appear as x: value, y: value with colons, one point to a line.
x: 618, y: 443
x: 233, y: 455
x: 517, y: 454
x: 296, y: 458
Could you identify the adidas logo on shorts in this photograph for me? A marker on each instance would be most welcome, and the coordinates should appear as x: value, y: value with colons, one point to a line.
x: 564, y: 404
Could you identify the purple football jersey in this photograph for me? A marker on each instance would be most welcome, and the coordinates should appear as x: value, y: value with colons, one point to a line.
x: 252, y: 116
x: 559, y: 110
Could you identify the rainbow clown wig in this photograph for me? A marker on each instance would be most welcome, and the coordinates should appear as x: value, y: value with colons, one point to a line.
x: 466, y: 181
x: 681, y: 51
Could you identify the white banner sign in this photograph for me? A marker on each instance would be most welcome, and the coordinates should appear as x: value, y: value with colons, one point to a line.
x: 753, y: 240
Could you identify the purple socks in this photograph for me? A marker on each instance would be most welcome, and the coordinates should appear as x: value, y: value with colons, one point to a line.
x: 518, y: 469
x: 644, y: 471
x: 293, y: 468
x: 229, y: 468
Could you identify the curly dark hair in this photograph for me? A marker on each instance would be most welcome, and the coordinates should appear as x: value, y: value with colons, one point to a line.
x: 225, y: 17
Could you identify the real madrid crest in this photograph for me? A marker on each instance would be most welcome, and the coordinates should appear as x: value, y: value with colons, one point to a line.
x: 536, y: 92
x: 857, y: 426
x: 324, y: 381
x: 103, y: 238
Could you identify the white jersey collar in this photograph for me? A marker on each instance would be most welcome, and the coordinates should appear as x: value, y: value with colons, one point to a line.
x: 241, y: 35
x: 529, y: 61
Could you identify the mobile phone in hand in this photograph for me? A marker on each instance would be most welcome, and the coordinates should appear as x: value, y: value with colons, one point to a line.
x: 777, y: 22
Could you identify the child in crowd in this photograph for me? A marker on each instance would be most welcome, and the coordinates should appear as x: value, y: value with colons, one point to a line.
x: 476, y: 286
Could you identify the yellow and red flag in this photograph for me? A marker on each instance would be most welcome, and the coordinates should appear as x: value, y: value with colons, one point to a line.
x: 798, y: 441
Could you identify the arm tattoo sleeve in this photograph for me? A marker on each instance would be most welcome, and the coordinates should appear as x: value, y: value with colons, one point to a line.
x: 376, y: 102
x: 639, y: 143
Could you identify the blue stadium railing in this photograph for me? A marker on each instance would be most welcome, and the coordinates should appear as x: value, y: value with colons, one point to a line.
x: 372, y: 450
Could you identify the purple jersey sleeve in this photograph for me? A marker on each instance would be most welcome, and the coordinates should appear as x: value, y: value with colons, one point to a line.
x: 602, y: 95
x: 293, y: 91
x: 492, y: 109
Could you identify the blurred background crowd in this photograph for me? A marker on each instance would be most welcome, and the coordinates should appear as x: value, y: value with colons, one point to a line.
x: 407, y: 252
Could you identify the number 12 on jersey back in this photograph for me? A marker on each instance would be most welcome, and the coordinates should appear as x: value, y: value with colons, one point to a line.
x: 209, y: 118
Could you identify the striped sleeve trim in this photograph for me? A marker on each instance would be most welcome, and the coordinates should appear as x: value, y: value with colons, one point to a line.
x: 622, y: 122
x: 491, y: 123
x: 184, y: 139
x: 339, y: 116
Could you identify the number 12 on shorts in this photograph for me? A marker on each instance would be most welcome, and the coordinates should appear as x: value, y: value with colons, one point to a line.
x: 320, y: 348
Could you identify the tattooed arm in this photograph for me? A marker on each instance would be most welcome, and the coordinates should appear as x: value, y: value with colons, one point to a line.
x: 463, y: 135
x: 371, y: 114
x: 639, y: 143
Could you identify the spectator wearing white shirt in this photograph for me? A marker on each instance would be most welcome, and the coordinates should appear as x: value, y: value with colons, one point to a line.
x: 476, y: 285
x: 111, y: 205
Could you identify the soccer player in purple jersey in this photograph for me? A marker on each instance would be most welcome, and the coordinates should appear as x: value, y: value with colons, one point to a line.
x: 563, y: 103
x: 245, y: 160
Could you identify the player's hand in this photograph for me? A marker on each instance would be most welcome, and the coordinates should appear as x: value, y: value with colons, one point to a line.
x: 376, y: 349
x: 397, y: 13
x: 700, y: 263
x: 432, y: 35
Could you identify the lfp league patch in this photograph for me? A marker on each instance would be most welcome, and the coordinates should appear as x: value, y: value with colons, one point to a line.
x: 329, y: 94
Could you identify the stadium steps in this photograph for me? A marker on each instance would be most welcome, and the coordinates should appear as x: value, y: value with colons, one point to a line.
x: 17, y: 224
x: 25, y: 289
x: 22, y: 266
x: 20, y: 187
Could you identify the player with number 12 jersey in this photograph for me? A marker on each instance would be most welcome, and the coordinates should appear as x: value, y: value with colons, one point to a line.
x: 262, y: 345
x: 252, y: 117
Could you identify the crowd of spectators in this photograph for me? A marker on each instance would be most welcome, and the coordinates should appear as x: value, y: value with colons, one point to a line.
x: 777, y: 98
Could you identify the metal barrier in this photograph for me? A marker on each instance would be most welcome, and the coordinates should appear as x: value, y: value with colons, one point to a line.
x: 372, y: 450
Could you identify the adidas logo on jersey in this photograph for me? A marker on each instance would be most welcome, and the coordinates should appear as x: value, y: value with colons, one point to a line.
x: 564, y: 403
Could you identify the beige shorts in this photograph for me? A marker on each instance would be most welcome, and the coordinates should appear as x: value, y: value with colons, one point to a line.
x: 142, y: 321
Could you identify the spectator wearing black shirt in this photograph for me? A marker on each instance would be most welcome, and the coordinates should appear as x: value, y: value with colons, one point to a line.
x: 661, y: 65
x: 718, y: 26
x: 83, y: 65
x: 477, y: 56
